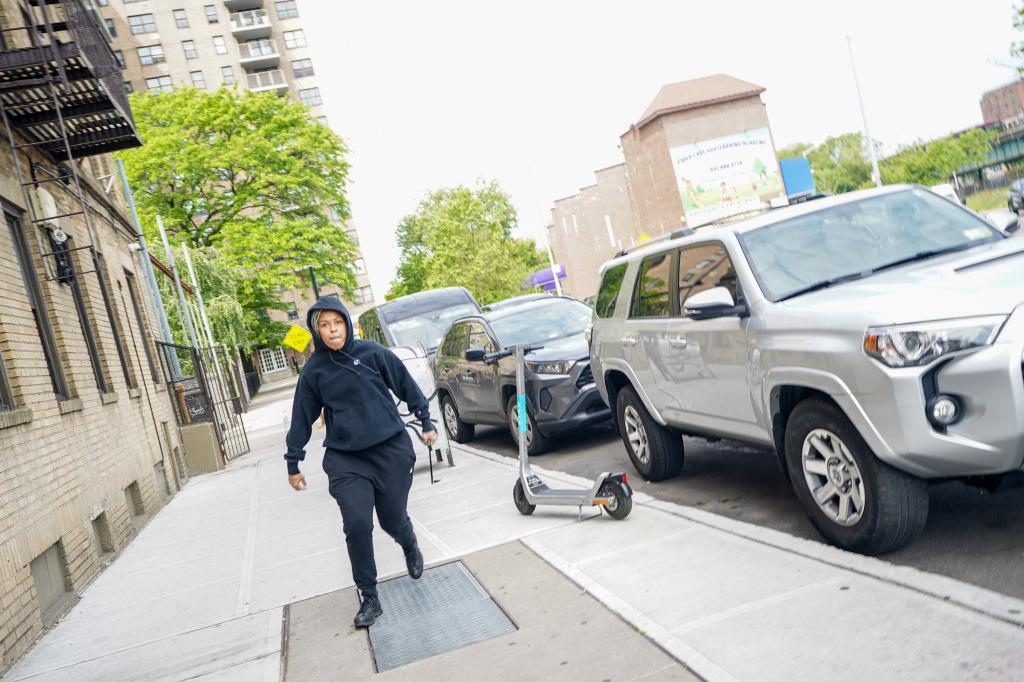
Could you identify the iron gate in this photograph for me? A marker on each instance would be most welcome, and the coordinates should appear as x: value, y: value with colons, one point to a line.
x: 203, y: 390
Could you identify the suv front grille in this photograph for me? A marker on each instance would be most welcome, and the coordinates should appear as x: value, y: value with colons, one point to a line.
x: 585, y: 377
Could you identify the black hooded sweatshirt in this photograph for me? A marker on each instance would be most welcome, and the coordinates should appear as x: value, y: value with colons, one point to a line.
x: 352, y: 386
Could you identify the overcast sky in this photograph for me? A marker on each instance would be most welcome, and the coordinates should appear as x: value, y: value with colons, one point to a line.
x: 535, y: 94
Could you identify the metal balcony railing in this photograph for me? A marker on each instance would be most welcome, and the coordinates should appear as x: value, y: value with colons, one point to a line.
x: 266, y: 79
x: 73, y: 49
x: 254, y: 18
x: 262, y: 48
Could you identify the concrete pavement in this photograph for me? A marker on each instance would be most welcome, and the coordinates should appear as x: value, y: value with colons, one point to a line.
x: 201, y: 593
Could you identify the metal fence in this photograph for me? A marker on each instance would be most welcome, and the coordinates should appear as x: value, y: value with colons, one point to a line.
x: 203, y: 390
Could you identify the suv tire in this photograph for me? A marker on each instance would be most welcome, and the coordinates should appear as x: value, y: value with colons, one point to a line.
x: 855, y: 500
x: 656, y: 451
x: 458, y: 430
x: 536, y: 443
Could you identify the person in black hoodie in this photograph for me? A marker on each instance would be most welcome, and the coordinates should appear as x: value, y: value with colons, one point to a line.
x: 370, y: 457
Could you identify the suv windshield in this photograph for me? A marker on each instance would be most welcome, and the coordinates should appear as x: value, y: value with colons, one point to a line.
x: 539, y: 323
x: 429, y: 326
x: 854, y: 240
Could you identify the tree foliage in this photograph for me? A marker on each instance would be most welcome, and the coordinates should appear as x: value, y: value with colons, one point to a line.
x: 841, y: 164
x: 460, y: 236
x: 218, y: 280
x: 252, y: 174
x: 934, y: 162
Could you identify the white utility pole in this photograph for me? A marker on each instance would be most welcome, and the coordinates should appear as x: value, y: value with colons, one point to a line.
x: 186, y: 317
x: 875, y: 174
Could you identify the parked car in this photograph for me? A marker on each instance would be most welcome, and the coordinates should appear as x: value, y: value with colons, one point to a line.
x: 873, y: 339
x: 947, y: 190
x: 1015, y: 197
x: 561, y: 394
x: 420, y: 318
x: 515, y: 300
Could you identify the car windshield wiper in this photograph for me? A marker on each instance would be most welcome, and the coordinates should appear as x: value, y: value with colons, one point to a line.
x: 825, y: 284
x: 925, y: 255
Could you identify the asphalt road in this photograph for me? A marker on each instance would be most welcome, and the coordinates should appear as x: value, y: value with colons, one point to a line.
x: 971, y: 535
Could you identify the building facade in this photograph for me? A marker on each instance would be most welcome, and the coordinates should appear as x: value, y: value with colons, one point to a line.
x: 89, y: 446
x: 702, y: 150
x: 1004, y: 105
x: 258, y: 45
x: 589, y: 227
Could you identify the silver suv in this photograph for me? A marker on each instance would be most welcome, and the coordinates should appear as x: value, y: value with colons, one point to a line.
x: 874, y: 340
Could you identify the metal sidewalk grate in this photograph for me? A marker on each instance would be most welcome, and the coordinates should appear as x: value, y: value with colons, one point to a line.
x: 445, y: 609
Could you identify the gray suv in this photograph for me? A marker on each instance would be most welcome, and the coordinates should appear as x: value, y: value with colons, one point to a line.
x: 874, y: 340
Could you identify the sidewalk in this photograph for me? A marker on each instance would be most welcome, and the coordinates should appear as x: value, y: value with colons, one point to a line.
x: 201, y: 593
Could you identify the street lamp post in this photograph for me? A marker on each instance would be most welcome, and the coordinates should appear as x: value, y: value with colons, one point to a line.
x: 312, y: 280
x: 875, y: 174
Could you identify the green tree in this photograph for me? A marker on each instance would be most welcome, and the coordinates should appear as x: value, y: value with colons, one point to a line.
x: 934, y: 162
x: 460, y: 236
x: 841, y: 164
x: 252, y: 174
x: 794, y: 151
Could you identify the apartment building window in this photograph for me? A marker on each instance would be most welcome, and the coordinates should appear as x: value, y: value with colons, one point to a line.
x: 142, y: 23
x: 128, y: 88
x: 159, y: 84
x: 294, y: 39
x: 286, y: 9
x: 133, y: 294
x: 362, y: 295
x: 293, y: 312
x: 6, y: 397
x: 359, y: 266
x: 154, y: 54
x: 272, y: 360
x: 110, y: 27
x: 189, y: 46
x: 219, y: 46
x: 322, y: 120
x: 198, y: 80
x: 180, y: 18
x: 353, y: 236
x: 310, y: 96
x: 85, y: 317
x: 211, y: 14
x: 115, y: 322
x: 302, y: 67
x: 228, y: 75
x: 119, y: 56
x: 41, y: 316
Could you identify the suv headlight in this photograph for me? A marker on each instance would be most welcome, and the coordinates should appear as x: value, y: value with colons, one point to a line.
x: 914, y: 345
x: 557, y: 367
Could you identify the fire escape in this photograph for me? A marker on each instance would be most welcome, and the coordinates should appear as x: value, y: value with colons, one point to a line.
x: 61, y: 94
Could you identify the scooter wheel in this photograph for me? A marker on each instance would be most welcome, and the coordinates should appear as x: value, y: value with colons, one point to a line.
x: 621, y: 503
x: 519, y: 497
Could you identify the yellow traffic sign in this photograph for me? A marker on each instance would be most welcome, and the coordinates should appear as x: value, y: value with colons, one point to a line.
x: 297, y: 338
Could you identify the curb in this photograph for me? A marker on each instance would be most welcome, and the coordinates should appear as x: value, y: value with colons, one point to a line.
x: 986, y: 602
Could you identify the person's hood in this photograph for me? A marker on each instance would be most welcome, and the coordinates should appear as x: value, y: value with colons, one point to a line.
x: 329, y: 303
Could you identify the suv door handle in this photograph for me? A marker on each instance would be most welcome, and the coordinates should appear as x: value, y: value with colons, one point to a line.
x: 629, y: 341
x: 678, y: 342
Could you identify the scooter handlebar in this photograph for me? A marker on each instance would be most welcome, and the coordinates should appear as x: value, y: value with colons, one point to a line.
x: 491, y: 358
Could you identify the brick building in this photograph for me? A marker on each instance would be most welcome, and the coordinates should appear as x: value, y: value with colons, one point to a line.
x: 89, y: 446
x: 1003, y: 105
x: 643, y: 197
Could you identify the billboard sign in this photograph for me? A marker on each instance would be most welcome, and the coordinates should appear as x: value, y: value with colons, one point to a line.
x: 727, y: 175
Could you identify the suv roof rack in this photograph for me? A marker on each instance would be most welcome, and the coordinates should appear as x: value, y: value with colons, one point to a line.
x: 675, y: 234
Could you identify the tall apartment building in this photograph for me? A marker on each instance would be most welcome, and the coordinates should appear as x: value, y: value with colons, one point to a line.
x: 1004, y: 105
x: 249, y: 44
x: 89, y: 445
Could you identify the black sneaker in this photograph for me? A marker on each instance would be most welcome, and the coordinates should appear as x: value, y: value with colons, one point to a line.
x: 414, y: 562
x: 369, y: 610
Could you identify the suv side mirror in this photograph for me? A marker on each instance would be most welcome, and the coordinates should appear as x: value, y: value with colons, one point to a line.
x: 711, y: 304
x: 475, y: 355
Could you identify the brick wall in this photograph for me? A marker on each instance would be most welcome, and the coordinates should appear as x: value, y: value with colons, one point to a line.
x: 64, y: 462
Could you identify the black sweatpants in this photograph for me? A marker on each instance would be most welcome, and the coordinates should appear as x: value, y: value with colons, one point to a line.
x: 376, y: 477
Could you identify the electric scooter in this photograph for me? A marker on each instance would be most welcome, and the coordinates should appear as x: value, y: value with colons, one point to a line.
x: 610, y: 491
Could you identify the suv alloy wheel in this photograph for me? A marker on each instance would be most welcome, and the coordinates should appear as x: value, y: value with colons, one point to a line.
x: 656, y: 451
x: 854, y: 499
